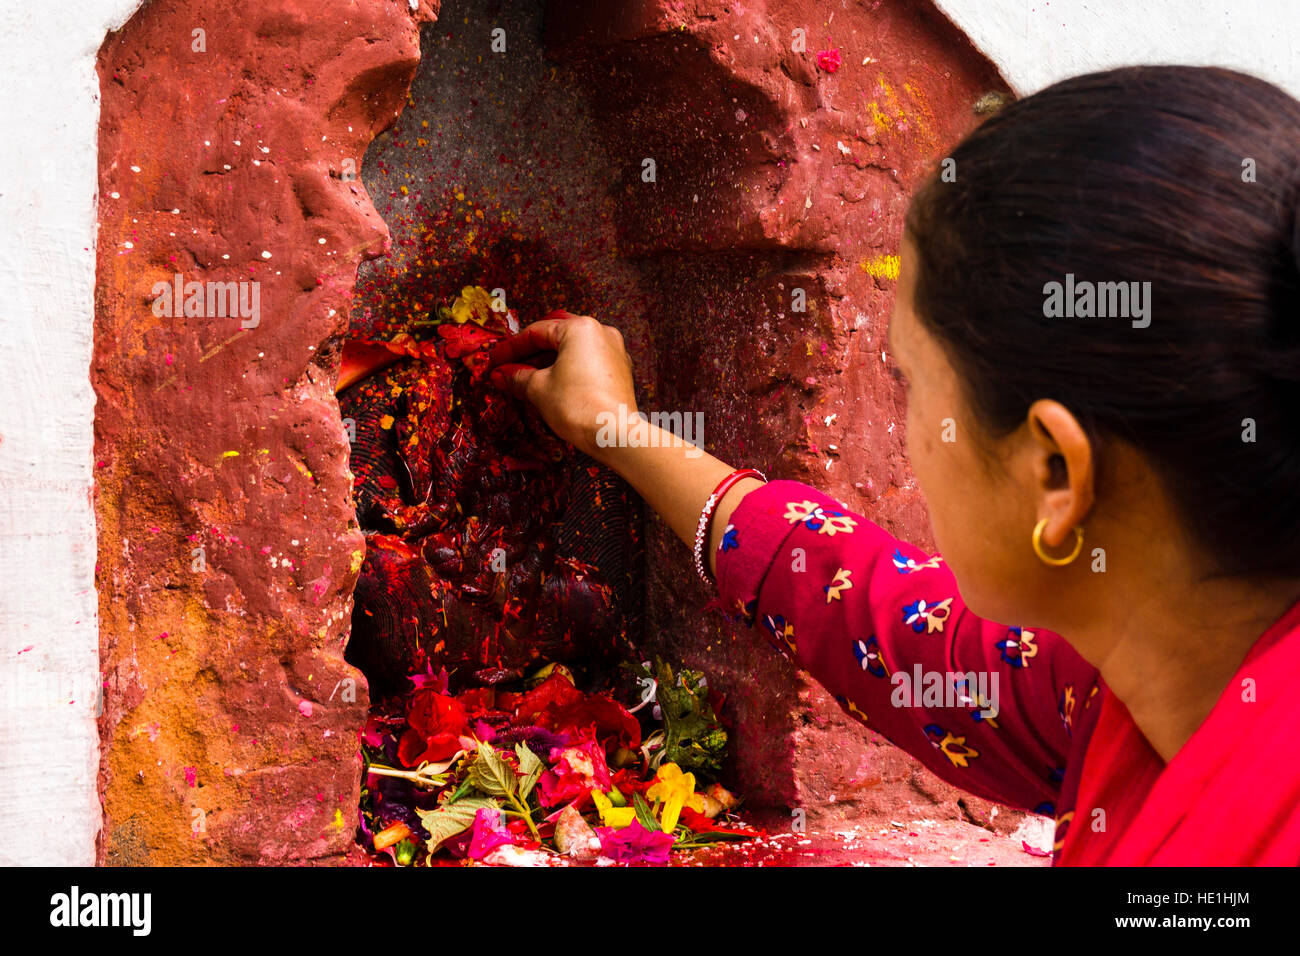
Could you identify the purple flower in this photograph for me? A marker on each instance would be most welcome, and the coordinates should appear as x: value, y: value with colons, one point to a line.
x: 537, y: 739
x: 634, y: 844
x: 487, y: 833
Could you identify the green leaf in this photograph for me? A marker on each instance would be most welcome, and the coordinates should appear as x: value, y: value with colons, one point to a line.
x: 465, y: 787
x: 695, y: 740
x: 645, y: 816
x: 491, y: 774
x: 531, y: 767
x: 405, y: 852
x: 450, y: 819
x: 712, y: 836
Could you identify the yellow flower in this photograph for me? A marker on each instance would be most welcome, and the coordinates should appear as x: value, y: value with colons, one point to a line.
x: 473, y: 303
x: 676, y: 790
x: 610, y: 815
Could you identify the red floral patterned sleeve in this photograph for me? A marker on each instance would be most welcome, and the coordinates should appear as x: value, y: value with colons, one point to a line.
x: 880, y: 624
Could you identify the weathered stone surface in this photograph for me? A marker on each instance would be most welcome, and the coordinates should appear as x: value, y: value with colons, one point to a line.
x: 227, y: 543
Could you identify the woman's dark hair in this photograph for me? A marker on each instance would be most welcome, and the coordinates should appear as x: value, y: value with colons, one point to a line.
x: 1188, y: 179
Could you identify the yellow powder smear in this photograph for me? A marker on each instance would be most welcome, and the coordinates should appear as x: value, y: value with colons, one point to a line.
x: 877, y: 117
x: 882, y: 267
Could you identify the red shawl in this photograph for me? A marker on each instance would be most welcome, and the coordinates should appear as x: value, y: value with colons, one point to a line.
x: 1229, y: 797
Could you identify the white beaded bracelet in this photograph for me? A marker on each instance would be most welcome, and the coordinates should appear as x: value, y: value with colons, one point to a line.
x: 702, y: 529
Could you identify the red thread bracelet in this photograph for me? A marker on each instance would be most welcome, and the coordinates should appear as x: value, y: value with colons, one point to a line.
x: 702, y: 529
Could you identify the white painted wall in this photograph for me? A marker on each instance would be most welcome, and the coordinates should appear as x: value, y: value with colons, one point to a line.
x: 1037, y: 42
x: 49, y: 113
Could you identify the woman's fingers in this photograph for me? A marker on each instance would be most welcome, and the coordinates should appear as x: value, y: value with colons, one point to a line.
x: 570, y: 367
x: 513, y: 378
x: 544, y: 335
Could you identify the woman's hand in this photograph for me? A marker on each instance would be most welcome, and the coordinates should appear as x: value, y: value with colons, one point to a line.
x: 581, y: 392
x: 588, y: 384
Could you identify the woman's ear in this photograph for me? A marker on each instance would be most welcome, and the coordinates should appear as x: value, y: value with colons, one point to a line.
x: 1064, y: 469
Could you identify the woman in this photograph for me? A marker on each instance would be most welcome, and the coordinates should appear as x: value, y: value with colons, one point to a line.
x: 1123, y: 476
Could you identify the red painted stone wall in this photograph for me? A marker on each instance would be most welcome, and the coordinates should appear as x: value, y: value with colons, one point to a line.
x: 229, y: 731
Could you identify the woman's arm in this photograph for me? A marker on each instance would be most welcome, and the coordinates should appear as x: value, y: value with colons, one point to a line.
x: 676, y: 485
x: 867, y: 615
x: 881, y: 625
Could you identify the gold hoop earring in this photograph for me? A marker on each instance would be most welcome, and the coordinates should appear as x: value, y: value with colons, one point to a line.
x: 1043, y: 555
